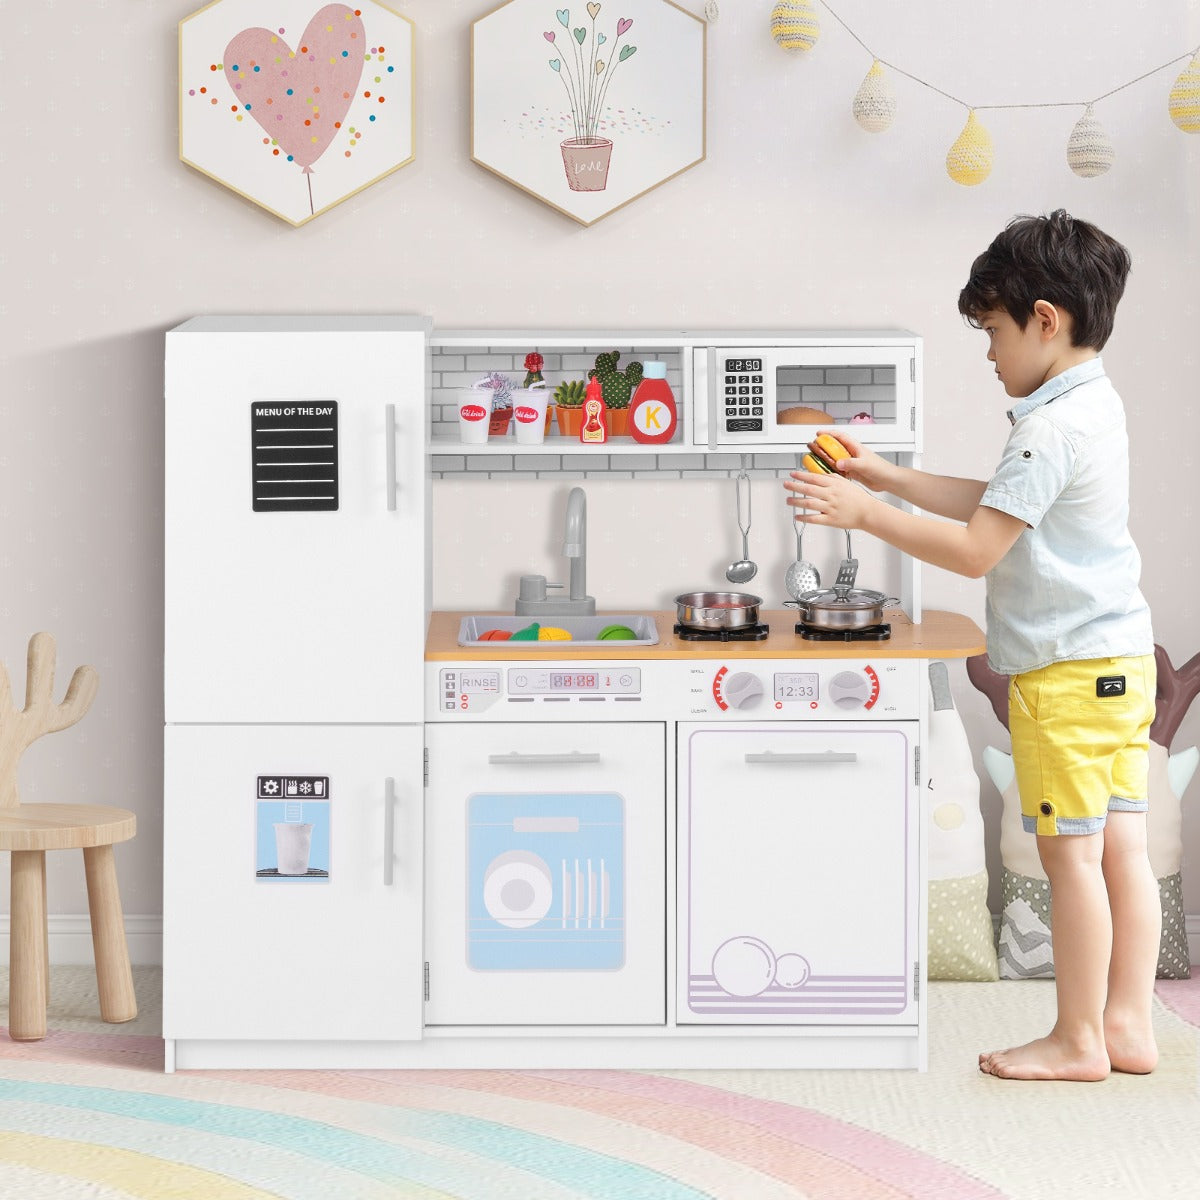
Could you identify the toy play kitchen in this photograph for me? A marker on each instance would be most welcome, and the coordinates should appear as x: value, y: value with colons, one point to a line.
x: 543, y: 837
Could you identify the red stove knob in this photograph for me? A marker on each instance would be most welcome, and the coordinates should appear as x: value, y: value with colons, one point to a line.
x: 742, y: 690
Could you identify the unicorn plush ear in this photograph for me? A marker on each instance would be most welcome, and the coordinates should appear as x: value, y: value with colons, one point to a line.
x: 999, y: 767
x: 1181, y: 767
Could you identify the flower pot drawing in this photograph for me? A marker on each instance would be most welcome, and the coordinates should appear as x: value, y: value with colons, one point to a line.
x: 585, y: 160
x: 293, y: 845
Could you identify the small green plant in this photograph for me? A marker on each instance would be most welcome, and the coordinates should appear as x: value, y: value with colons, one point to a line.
x: 570, y: 393
x: 617, y: 386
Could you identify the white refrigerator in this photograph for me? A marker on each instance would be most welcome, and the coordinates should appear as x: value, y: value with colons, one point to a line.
x: 296, y: 603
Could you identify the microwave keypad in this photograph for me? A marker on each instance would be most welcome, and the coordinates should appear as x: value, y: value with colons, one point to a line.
x: 744, y: 401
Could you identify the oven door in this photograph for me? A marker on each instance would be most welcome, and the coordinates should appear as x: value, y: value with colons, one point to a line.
x: 799, y: 894
x: 546, y: 893
x: 750, y: 393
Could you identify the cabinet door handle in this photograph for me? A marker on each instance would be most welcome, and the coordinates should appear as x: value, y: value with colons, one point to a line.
x: 514, y: 759
x: 390, y: 439
x: 818, y: 758
x: 389, y: 829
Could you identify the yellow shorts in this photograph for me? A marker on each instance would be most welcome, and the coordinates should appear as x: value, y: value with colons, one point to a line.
x: 1080, y: 741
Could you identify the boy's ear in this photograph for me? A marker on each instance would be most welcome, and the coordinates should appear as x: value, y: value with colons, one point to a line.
x: 1050, y: 319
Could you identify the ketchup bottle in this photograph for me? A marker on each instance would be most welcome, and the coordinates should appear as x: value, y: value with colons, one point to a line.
x: 594, y: 426
x: 652, y: 414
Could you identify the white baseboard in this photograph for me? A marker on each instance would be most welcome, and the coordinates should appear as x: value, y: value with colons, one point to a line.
x: 70, y: 938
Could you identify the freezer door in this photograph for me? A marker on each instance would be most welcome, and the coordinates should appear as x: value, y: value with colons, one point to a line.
x: 296, y: 501
x: 292, y: 883
x: 799, y: 888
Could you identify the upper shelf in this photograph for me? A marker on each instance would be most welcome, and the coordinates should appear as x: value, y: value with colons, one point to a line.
x: 734, y: 392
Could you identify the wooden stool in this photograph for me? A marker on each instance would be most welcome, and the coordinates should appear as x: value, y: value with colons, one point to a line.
x: 29, y: 830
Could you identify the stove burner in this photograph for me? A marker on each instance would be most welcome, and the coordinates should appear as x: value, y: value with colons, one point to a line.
x: 868, y: 633
x: 744, y: 633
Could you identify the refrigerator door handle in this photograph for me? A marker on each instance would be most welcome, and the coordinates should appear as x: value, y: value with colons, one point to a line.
x: 390, y: 438
x: 389, y: 829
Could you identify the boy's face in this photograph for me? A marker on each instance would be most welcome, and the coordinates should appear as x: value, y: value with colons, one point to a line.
x: 1022, y: 356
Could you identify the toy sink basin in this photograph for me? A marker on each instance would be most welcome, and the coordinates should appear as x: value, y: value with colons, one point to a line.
x: 584, y: 631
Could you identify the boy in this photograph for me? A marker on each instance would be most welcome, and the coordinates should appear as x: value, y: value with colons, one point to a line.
x: 1065, y: 620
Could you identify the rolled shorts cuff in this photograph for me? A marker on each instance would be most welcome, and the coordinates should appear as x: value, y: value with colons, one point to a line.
x: 1051, y: 826
x: 1124, y: 804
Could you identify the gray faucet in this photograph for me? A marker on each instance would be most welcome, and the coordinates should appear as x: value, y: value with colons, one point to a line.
x: 532, y: 599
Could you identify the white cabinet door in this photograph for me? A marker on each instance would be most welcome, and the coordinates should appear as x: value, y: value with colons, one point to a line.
x: 293, y: 591
x: 546, y: 889
x: 292, y: 933
x: 799, y: 889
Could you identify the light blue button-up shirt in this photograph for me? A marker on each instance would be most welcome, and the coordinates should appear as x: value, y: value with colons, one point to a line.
x: 1068, y: 588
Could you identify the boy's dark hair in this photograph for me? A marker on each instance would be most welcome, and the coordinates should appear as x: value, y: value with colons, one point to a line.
x: 1060, y: 259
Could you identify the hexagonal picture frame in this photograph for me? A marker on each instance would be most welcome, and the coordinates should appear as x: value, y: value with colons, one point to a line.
x: 590, y: 106
x: 293, y: 104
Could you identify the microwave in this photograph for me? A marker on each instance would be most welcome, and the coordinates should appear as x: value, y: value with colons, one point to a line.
x: 778, y: 394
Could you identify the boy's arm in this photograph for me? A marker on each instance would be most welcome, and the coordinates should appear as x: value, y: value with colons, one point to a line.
x: 941, y: 494
x: 972, y: 549
x: 945, y: 495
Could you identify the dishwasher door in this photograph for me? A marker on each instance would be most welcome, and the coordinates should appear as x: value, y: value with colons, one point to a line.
x: 545, y: 899
x: 798, y: 882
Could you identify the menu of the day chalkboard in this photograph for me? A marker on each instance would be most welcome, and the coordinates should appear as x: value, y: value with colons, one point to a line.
x: 294, y: 455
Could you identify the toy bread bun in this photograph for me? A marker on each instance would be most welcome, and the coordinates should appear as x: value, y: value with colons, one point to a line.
x: 801, y: 415
x: 828, y: 451
x: 811, y: 463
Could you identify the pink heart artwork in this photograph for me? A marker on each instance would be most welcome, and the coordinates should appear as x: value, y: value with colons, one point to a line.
x: 300, y: 96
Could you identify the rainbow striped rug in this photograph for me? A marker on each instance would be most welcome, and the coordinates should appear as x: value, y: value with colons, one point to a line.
x: 89, y: 1113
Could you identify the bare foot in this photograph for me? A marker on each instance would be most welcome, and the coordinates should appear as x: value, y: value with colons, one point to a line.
x: 1047, y: 1058
x: 1131, y: 1047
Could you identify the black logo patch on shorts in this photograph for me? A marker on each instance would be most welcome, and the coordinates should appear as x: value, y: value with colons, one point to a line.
x: 1110, y: 685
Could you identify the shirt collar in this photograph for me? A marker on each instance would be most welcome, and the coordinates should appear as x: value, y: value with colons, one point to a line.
x: 1057, y: 386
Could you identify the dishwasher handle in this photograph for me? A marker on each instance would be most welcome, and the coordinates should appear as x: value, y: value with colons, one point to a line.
x: 515, y: 759
x: 817, y: 758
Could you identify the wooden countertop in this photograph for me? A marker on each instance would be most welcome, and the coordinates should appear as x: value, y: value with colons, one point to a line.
x: 939, y: 635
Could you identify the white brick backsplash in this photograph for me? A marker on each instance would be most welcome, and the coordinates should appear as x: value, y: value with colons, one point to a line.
x: 822, y: 395
x: 851, y: 376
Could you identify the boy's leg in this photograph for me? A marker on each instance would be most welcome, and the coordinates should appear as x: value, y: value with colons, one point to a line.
x: 1137, y: 927
x: 1081, y: 926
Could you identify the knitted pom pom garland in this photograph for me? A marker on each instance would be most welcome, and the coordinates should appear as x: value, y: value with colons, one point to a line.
x: 1184, y: 100
x: 1089, y: 152
x: 875, y: 102
x: 795, y: 25
x: 969, y: 160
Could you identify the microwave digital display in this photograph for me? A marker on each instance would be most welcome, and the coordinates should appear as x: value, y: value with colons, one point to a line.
x: 743, y: 364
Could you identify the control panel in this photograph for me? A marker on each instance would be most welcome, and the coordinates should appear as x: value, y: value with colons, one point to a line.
x: 801, y: 690
x: 794, y: 689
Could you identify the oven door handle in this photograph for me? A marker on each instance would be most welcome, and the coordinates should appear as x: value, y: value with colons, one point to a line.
x: 515, y: 759
x: 819, y: 758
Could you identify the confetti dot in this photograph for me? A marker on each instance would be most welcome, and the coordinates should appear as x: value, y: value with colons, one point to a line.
x: 371, y: 117
x: 381, y: 99
x: 290, y: 92
x: 347, y: 153
x: 367, y: 95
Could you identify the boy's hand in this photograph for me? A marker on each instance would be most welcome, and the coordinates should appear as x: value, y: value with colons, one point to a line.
x: 863, y: 466
x: 828, y: 500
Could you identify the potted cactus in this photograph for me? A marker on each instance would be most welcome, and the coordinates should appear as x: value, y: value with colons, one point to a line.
x: 568, y: 405
x: 618, y: 388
